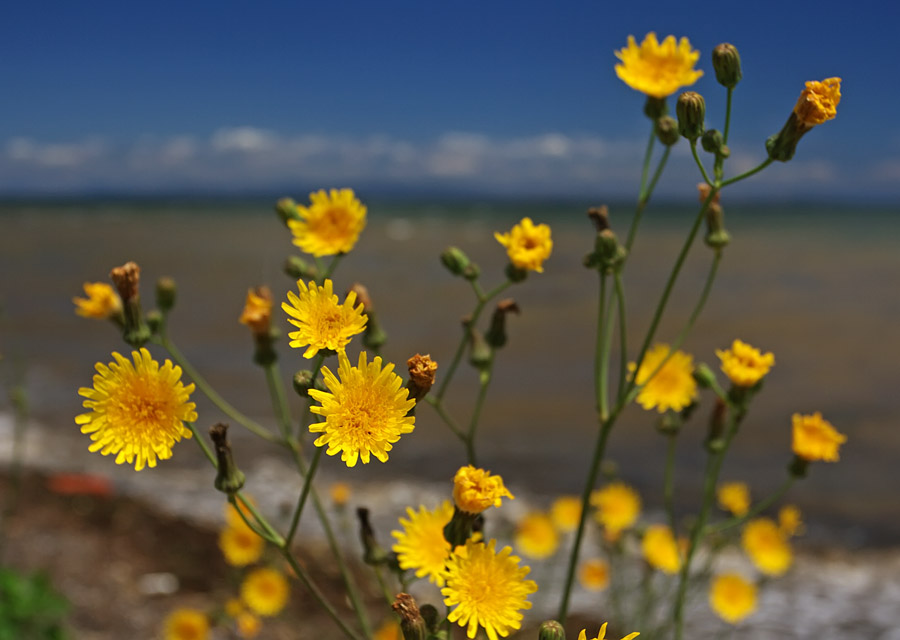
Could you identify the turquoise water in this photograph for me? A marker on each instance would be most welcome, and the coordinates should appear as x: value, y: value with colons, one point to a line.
x: 815, y: 285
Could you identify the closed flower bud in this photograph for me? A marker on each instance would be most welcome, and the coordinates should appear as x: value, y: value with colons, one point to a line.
x: 455, y: 260
x: 691, y: 110
x: 609, y: 253
x: 667, y: 130
x: 551, y: 630
x: 165, y: 294
x: 298, y: 269
x: 229, y: 479
x: 655, y: 108
x: 480, y: 353
x: 727, y: 64
x: 127, y: 280
x: 286, y: 209
x: 716, y: 235
x: 496, y: 335
x: 704, y: 376
x: 412, y: 624
x: 514, y: 273
x: 154, y: 321
x: 712, y: 141
x: 303, y: 382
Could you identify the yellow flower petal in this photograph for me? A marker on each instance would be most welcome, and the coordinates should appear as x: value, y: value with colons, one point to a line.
x: 655, y: 69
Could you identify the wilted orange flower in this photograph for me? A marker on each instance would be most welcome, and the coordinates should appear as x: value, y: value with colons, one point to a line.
x: 815, y: 438
x: 818, y: 101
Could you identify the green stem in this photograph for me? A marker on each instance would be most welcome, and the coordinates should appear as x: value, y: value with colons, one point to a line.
x: 476, y: 412
x: 279, y: 402
x: 645, y: 193
x: 304, y: 494
x: 747, y: 174
x: 332, y: 266
x: 209, y: 392
x: 648, y: 153
x: 727, y: 116
x: 756, y: 510
x: 669, y: 482
x: 623, y: 338
x: 700, y: 163
x: 445, y: 416
x: 600, y: 373
x: 263, y: 531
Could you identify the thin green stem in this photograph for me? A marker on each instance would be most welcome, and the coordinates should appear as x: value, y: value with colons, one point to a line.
x: 669, y: 482
x: 485, y: 381
x: 623, y: 337
x: 209, y: 392
x: 700, y: 163
x: 279, y: 401
x: 446, y: 417
x: 198, y: 438
x: 389, y: 598
x: 755, y: 510
x: 645, y: 193
x: 657, y: 174
x: 304, y: 494
x: 600, y: 372
x: 727, y: 116
x: 255, y: 525
x: 747, y: 174
x: 648, y: 153
x: 332, y: 266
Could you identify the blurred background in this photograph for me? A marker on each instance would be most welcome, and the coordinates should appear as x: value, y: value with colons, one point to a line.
x: 165, y: 133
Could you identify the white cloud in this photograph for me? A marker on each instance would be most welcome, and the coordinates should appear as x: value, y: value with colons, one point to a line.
x: 27, y: 151
x: 244, y: 139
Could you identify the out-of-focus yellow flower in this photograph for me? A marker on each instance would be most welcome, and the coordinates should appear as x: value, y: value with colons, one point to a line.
x: 390, y: 630
x: 672, y: 387
x: 618, y: 507
x: 240, y: 545
x: 331, y: 224
x: 658, y: 70
x: 815, y: 438
x: 767, y: 546
x: 536, y: 537
x: 366, y: 410
x: 102, y: 301
x: 265, y: 591
x: 660, y: 549
x: 594, y: 574
x: 818, y: 101
x: 233, y: 607
x: 487, y: 589
x: 322, y: 322
x: 601, y: 635
x: 233, y: 518
x: 528, y: 245
x: 340, y: 494
x: 734, y: 497
x: 186, y: 624
x: 732, y: 597
x: 789, y: 520
x: 566, y: 513
x: 745, y: 365
x: 138, y: 409
x: 257, y: 313
x: 474, y: 490
x: 421, y: 545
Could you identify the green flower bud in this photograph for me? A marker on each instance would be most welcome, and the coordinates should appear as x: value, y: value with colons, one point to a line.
x: 480, y: 352
x: 165, y: 294
x: 154, y: 321
x: 691, y: 111
x: 727, y: 63
x: 551, y: 630
x: 303, y: 382
x: 229, y: 479
x: 375, y: 336
x: 514, y: 273
x: 655, y: 108
x: 716, y: 235
x: 286, y: 209
x: 798, y: 467
x: 712, y: 141
x: 783, y: 145
x: 298, y: 269
x: 667, y: 130
x: 608, y: 254
x: 496, y: 335
x: 704, y: 376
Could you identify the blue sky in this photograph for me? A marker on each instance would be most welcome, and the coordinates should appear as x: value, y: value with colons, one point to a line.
x: 486, y: 97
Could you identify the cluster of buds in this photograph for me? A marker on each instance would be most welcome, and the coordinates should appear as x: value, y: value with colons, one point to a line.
x: 458, y: 263
x: 608, y: 255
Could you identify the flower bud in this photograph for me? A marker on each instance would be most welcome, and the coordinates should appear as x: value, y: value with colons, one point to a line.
x: 154, y: 321
x: 691, y: 111
x: 670, y: 424
x: 704, y: 376
x: 229, y: 479
x: 817, y: 104
x: 716, y: 235
x: 412, y: 624
x: 455, y: 260
x: 165, y: 294
x: 608, y: 254
x: 286, y: 209
x: 667, y: 130
x: 655, y: 108
x: 373, y: 553
x: 421, y: 375
x: 727, y: 64
x: 303, y: 382
x: 127, y: 279
x: 712, y: 141
x: 551, y: 630
x: 798, y: 467
x: 714, y: 440
x: 480, y: 353
x: 496, y: 335
x: 514, y: 273
x: 297, y: 268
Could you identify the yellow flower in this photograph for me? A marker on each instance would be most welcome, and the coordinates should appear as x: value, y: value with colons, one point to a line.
x: 257, y: 313
x: 618, y: 507
x: 601, y: 635
x: 365, y: 410
x: 323, y: 323
x: 138, y: 410
x: 331, y: 224
x: 340, y: 494
x: 240, y: 545
x: 734, y: 497
x: 660, y: 549
x: 818, y: 102
x: 566, y: 513
x: 527, y: 245
x: 265, y: 591
x: 672, y: 387
x: 536, y: 537
x: 594, y: 574
x: 767, y: 546
x: 421, y: 545
x: 732, y: 597
x: 233, y: 607
x: 248, y: 625
x: 474, y: 490
x: 790, y: 522
x: 487, y: 589
x: 745, y: 365
x: 233, y: 518
x: 389, y: 630
x: 815, y: 438
x: 102, y: 301
x: 655, y: 69
x: 186, y: 624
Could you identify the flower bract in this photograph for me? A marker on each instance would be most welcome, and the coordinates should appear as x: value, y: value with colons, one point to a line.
x: 658, y: 70
x: 618, y: 507
x: 818, y: 102
x: 536, y: 537
x: 601, y: 635
x: 673, y: 386
x: 734, y: 497
x: 474, y: 490
x: 365, y: 410
x: 732, y: 597
x: 815, y: 438
x: 767, y: 546
x: 660, y: 549
x: 745, y: 365
x: 102, y: 301
x: 331, y: 224
x: 487, y: 589
x: 138, y: 409
x: 322, y: 322
x: 421, y: 545
x: 265, y: 591
x: 528, y: 245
